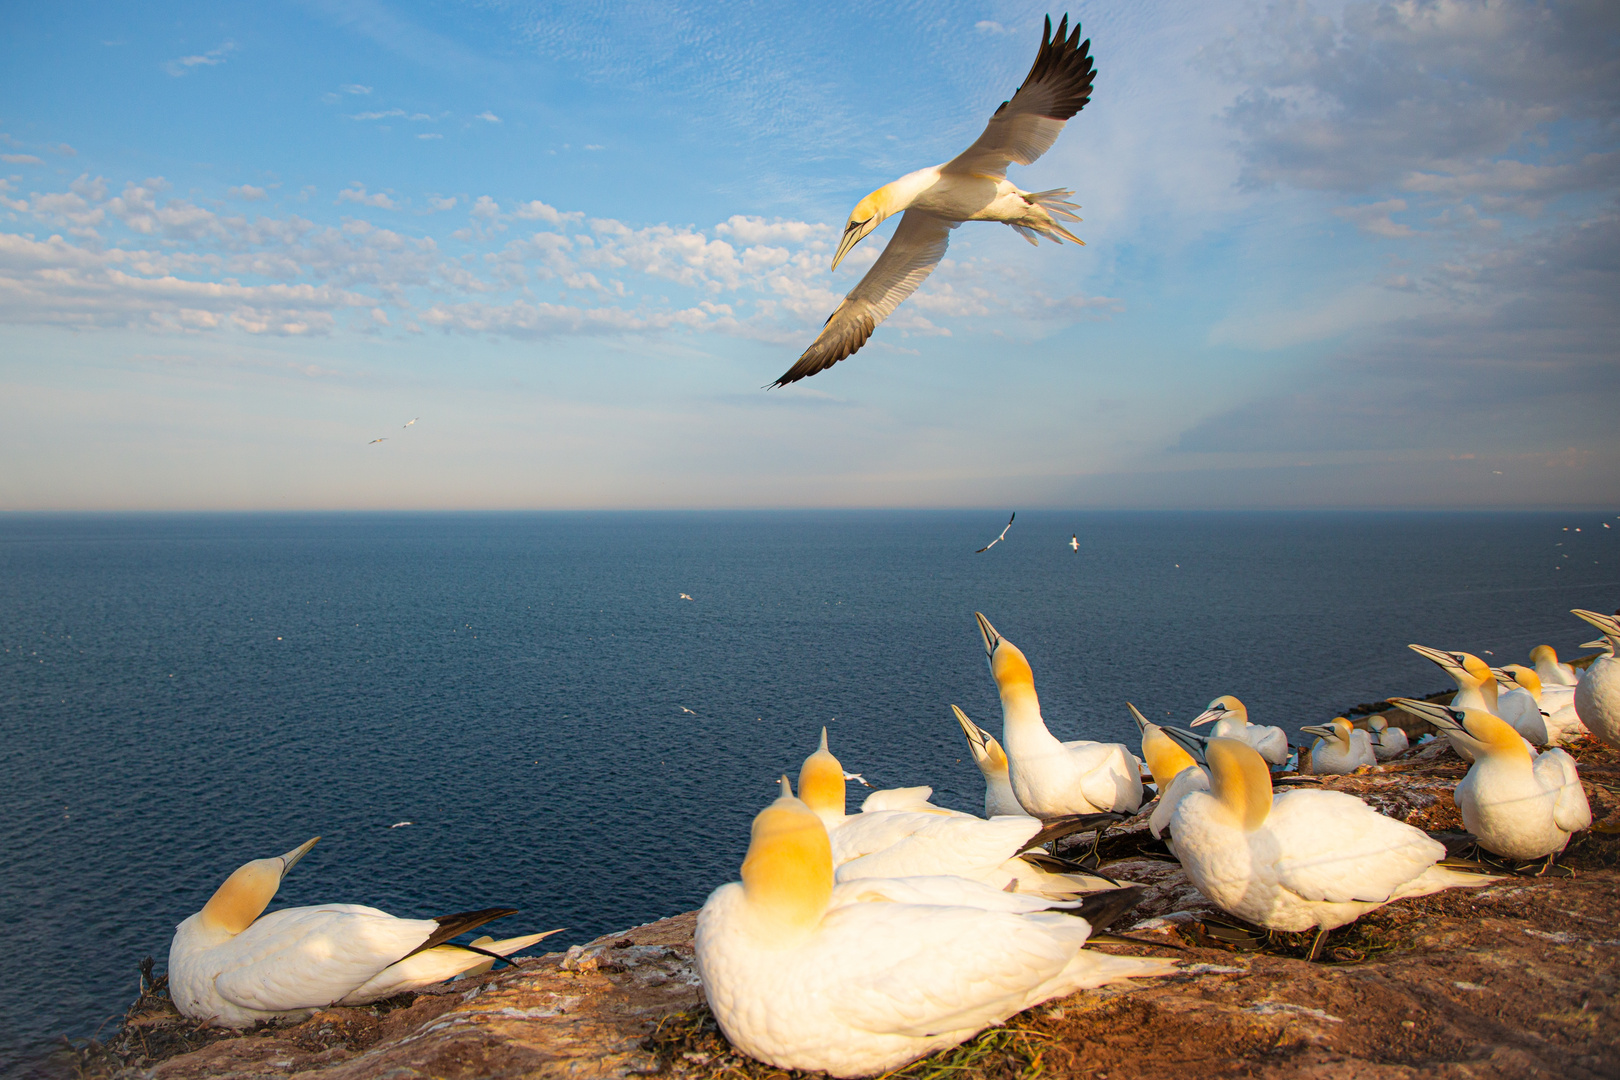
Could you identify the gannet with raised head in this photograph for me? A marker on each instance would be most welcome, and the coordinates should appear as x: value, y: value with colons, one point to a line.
x: 1300, y: 859
x: 856, y: 978
x: 1387, y: 742
x: 232, y: 965
x: 991, y: 759
x: 1476, y: 689
x: 912, y: 840
x: 1555, y: 703
x: 1550, y: 669
x: 972, y: 186
x: 1518, y: 804
x: 1173, y: 769
x: 1231, y: 720
x: 1341, y: 748
x: 1050, y: 778
x: 1597, y: 695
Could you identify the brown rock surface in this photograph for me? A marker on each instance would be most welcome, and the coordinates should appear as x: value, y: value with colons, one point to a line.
x: 1515, y: 979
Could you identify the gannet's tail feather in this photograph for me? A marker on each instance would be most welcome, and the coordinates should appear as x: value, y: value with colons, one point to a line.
x: 455, y: 925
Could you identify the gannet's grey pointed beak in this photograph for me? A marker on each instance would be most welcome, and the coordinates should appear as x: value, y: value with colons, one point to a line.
x: 1209, y: 716
x: 988, y: 632
x: 1609, y: 624
x: 1190, y: 741
x: 289, y: 860
x: 1326, y: 731
x: 974, y: 733
x: 1439, y: 656
x: 1142, y: 722
x: 854, y: 232
x: 1600, y: 643
x: 1440, y: 716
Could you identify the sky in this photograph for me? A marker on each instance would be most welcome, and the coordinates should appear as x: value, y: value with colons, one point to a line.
x: 1337, y: 255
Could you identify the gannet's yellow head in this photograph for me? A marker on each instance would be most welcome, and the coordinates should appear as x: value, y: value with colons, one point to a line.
x: 867, y: 215
x: 821, y: 782
x: 987, y: 753
x: 1240, y: 779
x: 1225, y: 707
x: 1477, y: 731
x: 1011, y: 670
x: 1467, y: 669
x: 1544, y: 654
x: 1164, y: 756
x: 788, y: 872
x: 249, y: 890
x: 1339, y: 729
x: 1526, y: 678
x: 1377, y: 723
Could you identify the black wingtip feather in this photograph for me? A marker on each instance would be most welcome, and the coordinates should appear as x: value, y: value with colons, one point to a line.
x: 1103, y: 909
x: 454, y: 925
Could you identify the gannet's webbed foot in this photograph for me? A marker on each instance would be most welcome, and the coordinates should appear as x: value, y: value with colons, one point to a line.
x: 1316, y: 944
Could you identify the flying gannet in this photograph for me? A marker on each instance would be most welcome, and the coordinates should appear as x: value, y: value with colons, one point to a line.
x: 972, y: 186
x: 232, y: 965
x: 374, y: 442
x: 860, y: 977
x: 1341, y: 748
x: 1300, y: 859
x: 1000, y: 538
x: 991, y: 759
x: 898, y: 833
x: 1388, y: 742
x: 1597, y: 695
x: 1074, y: 542
x: 1231, y: 720
x: 1518, y: 804
x: 1053, y: 778
x: 411, y: 421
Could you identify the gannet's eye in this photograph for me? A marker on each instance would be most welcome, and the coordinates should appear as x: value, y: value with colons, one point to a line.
x: 852, y: 226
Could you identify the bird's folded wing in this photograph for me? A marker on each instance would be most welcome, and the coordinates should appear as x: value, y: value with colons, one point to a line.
x: 304, y: 958
x: 1058, y: 86
x: 912, y: 253
x: 903, y: 798
x: 926, y: 970
x: 1332, y: 846
x: 966, y: 846
x: 1571, y: 811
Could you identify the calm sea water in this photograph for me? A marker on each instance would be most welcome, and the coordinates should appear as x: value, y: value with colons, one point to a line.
x: 181, y: 694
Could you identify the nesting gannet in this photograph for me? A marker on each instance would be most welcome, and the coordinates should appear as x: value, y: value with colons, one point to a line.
x: 1597, y: 695
x: 232, y: 965
x: 973, y: 186
x: 1518, y: 804
x: 1174, y: 772
x: 1000, y: 538
x: 1550, y: 669
x: 991, y: 759
x: 1052, y: 778
x: 1074, y: 542
x: 1301, y: 859
x: 1556, y: 703
x: 1388, y: 742
x: 906, y: 836
x: 1231, y: 720
x: 856, y: 978
x: 1476, y: 689
x: 1340, y: 748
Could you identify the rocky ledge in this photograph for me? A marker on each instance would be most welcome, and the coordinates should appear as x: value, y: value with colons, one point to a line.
x: 1516, y: 979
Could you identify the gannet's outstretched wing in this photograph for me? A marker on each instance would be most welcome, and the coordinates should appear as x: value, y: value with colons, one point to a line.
x: 915, y: 249
x: 1058, y: 86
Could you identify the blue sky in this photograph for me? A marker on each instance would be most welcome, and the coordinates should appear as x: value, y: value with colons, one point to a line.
x: 1337, y: 255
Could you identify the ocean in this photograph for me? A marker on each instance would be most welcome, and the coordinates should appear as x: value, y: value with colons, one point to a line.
x: 567, y: 735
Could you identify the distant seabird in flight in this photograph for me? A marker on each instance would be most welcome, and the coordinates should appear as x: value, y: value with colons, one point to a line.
x: 412, y: 420
x: 1000, y: 538
x: 1074, y: 542
x: 684, y: 709
x: 972, y: 186
x: 685, y: 597
x: 374, y: 441
x: 401, y: 824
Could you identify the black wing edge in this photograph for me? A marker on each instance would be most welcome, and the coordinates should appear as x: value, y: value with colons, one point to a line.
x: 816, y: 360
x: 1062, y: 56
x: 452, y: 925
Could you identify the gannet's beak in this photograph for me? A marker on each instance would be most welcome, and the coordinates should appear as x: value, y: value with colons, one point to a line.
x: 1609, y: 624
x: 1326, y: 731
x: 1142, y: 722
x: 1600, y: 643
x: 975, y: 736
x: 854, y: 233
x: 988, y: 632
x: 1439, y: 656
x: 1209, y: 716
x: 1190, y: 741
x: 289, y: 860
x: 1439, y: 715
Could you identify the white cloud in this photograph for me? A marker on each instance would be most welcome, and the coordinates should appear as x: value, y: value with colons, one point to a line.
x: 246, y: 192
x: 535, y: 210
x: 210, y: 58
x: 381, y: 115
x: 356, y: 193
x: 354, y: 88
x: 20, y: 159
x: 1374, y: 218
x: 489, y: 116
x: 448, y: 202
x: 431, y: 135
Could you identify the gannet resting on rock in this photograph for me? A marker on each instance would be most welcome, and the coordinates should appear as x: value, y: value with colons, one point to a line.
x: 1387, y: 742
x: 1050, y: 778
x: 231, y: 965
x: 1476, y: 689
x: 1555, y: 703
x: 1341, y: 748
x: 907, y: 842
x: 1174, y: 772
x: 973, y: 186
x: 1550, y: 669
x: 1231, y: 720
x: 1300, y: 859
x: 1517, y: 804
x: 1597, y: 695
x: 988, y: 755
x: 857, y: 978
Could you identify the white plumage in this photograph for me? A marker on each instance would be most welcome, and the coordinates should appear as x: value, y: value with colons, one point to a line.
x: 1231, y: 719
x: 1340, y: 748
x: 1597, y: 695
x: 1051, y: 778
x: 1387, y: 742
x: 871, y: 974
x: 992, y: 762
